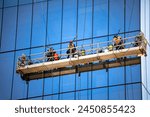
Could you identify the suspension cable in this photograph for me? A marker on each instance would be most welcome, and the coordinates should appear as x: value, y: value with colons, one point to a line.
x: 85, y: 10
x: 131, y: 14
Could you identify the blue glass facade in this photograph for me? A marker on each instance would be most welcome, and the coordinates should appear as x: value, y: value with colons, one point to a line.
x: 32, y: 26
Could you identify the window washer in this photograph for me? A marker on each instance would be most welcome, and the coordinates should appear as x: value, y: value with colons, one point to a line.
x: 71, y: 49
x: 138, y: 39
x: 50, y: 54
x: 22, y: 60
x: 118, y: 43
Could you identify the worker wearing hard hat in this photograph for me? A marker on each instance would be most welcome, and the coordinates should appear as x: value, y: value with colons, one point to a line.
x: 50, y: 54
x: 71, y: 49
x: 22, y: 60
x: 118, y: 43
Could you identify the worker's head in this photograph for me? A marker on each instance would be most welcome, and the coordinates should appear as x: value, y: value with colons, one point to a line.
x: 50, y: 49
x: 23, y: 55
x: 119, y: 37
x: 71, y: 41
x: 115, y: 37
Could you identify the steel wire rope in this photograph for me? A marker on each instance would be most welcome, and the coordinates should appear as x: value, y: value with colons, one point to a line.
x: 45, y: 23
x: 79, y: 92
x: 84, y: 25
x: 130, y: 19
x: 45, y: 20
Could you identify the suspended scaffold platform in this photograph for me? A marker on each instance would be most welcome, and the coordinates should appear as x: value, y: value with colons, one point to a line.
x: 85, y: 58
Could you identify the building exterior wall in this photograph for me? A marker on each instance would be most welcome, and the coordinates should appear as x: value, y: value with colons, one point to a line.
x: 33, y: 26
x: 145, y: 61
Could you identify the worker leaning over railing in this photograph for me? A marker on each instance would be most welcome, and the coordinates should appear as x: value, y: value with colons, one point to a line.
x: 139, y: 39
x: 24, y: 60
x: 141, y: 42
x: 118, y: 42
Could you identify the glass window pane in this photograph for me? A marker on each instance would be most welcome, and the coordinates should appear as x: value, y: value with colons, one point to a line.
x: 35, y: 88
x: 117, y: 93
x: 84, y: 19
x: 132, y: 15
x: 67, y: 96
x: 69, y: 19
x: 67, y: 83
x: 24, y: 26
x: 10, y: 3
x: 83, y: 81
x: 54, y: 21
x: 9, y: 29
x: 25, y: 1
x: 99, y: 78
x: 100, y: 94
x: 116, y: 76
x: 116, y: 19
x: 51, y: 85
x: 1, y: 3
x: 6, y: 72
x: 39, y: 24
x: 83, y: 95
x: 133, y: 92
x: 133, y: 73
x: 101, y: 40
x: 100, y: 17
x: 0, y: 25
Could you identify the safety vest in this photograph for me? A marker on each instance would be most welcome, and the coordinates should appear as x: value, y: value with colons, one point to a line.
x: 110, y: 47
x: 23, y: 58
x: 70, y: 46
x: 83, y: 52
x: 117, y: 40
x: 56, y: 57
